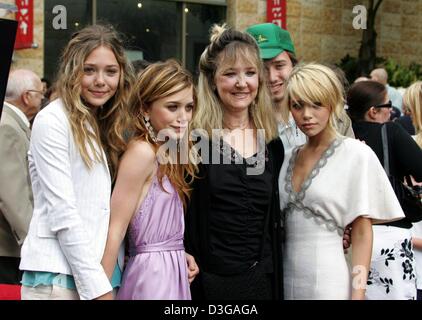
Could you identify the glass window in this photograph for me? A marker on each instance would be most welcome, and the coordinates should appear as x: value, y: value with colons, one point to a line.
x: 199, y: 19
x: 79, y: 15
x: 152, y: 27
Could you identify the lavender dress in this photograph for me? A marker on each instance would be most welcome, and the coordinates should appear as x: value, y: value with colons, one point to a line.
x: 157, y: 267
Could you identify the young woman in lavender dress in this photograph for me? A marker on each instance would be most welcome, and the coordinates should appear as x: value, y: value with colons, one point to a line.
x: 150, y: 192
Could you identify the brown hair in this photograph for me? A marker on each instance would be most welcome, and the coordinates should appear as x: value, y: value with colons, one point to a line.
x: 362, y: 96
x: 157, y: 81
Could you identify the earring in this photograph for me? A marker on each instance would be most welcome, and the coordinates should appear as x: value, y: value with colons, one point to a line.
x: 150, y: 129
x: 297, y: 133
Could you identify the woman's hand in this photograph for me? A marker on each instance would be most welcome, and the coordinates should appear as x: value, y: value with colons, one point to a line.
x: 193, y: 268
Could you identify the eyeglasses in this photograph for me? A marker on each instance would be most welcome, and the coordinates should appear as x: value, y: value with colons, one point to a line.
x: 38, y: 91
x: 385, y: 105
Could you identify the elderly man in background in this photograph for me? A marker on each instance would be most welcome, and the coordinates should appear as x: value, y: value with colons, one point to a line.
x: 380, y: 75
x: 23, y: 100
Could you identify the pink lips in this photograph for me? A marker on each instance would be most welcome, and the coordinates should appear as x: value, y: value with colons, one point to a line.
x: 98, y: 94
x: 308, y: 125
x: 178, y: 129
x: 240, y: 93
x: 276, y: 87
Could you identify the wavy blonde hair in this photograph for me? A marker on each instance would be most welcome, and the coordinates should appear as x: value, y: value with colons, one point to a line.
x: 312, y: 83
x: 226, y: 46
x: 157, y: 81
x: 105, y: 127
x: 412, y: 99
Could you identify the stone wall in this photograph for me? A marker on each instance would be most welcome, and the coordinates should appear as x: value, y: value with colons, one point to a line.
x: 322, y: 30
x: 33, y: 58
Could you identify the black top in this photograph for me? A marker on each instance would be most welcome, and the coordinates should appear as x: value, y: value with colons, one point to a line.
x: 230, y: 212
x: 238, y: 206
x: 406, y: 122
x: 405, y: 155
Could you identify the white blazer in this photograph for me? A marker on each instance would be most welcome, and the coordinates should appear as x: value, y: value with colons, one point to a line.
x: 68, y: 230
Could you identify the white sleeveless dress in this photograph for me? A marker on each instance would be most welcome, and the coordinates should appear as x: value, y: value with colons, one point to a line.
x: 347, y: 182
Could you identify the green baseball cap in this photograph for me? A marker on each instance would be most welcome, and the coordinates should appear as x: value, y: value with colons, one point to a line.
x: 272, y: 40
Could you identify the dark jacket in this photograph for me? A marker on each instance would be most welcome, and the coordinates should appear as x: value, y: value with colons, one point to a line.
x: 196, y: 233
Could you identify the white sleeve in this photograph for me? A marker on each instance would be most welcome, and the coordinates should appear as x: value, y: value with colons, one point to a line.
x: 372, y: 195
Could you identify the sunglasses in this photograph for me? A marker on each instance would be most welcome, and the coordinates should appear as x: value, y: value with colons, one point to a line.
x: 385, y: 105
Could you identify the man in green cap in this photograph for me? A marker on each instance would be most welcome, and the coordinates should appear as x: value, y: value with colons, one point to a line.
x: 278, y: 52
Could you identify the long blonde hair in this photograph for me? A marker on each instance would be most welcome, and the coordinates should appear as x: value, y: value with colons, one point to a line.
x: 412, y: 99
x: 157, y: 81
x: 106, y: 127
x: 229, y: 45
x: 312, y: 83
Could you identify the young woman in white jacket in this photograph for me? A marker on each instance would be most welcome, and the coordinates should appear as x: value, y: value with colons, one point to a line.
x: 76, y: 141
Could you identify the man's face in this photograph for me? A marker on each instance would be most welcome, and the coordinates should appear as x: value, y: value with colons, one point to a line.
x: 33, y: 99
x: 278, y: 70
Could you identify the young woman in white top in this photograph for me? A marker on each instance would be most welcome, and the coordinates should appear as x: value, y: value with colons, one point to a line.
x: 75, y: 144
x: 325, y: 185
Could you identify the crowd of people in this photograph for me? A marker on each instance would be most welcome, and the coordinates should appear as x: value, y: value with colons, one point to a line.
x: 265, y: 180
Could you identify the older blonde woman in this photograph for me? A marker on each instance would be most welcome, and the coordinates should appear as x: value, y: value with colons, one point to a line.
x: 234, y: 205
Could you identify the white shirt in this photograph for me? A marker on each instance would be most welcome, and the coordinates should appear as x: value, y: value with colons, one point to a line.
x: 291, y: 135
x: 347, y: 182
x: 395, y: 97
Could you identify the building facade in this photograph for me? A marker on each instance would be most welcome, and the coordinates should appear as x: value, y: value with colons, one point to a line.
x: 322, y: 30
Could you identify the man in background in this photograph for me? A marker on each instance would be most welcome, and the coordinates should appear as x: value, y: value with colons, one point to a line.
x: 24, y: 94
x: 278, y: 53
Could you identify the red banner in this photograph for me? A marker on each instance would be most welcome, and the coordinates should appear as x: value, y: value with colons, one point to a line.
x: 25, y: 18
x: 276, y: 12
